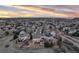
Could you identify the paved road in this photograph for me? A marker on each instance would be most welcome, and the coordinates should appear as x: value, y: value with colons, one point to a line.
x: 5, y: 41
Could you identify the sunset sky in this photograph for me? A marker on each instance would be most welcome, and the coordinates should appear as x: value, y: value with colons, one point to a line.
x: 67, y: 11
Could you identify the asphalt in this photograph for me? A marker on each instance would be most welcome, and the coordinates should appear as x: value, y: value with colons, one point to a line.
x: 8, y: 47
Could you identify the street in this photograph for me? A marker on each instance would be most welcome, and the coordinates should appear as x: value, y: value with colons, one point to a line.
x: 11, y: 49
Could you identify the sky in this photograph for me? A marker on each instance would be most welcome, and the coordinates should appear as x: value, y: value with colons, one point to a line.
x: 63, y: 11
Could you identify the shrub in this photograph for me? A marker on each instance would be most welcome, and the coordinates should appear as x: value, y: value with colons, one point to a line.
x: 59, y: 42
x: 76, y: 34
x: 48, y: 44
x: 6, y: 33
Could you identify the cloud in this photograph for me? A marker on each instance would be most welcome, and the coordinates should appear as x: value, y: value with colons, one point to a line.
x: 39, y: 11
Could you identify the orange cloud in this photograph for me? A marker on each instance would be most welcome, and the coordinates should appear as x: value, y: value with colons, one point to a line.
x: 38, y: 12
